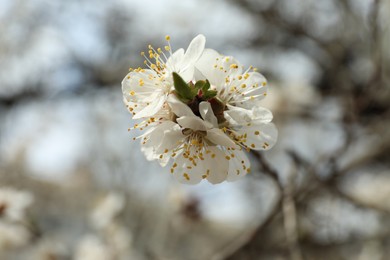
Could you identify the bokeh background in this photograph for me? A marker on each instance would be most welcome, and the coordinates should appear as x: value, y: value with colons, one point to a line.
x: 73, y: 184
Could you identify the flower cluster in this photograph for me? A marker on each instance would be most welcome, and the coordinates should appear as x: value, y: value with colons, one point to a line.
x: 14, y: 231
x: 200, y: 112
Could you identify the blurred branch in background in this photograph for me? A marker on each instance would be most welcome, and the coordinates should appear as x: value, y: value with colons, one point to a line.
x: 82, y: 190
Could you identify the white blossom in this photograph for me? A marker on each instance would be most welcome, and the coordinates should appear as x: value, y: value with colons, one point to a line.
x: 200, y: 150
x: 235, y: 86
x: 13, y: 203
x: 92, y: 248
x: 241, y: 91
x: 145, y: 90
x: 204, y: 123
x: 106, y: 210
x: 13, y: 235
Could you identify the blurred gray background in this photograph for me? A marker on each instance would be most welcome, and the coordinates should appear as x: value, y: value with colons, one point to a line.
x: 323, y: 192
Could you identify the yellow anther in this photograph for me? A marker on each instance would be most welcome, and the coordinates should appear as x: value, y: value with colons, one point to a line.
x: 234, y: 66
x: 167, y: 37
x: 257, y: 132
x: 194, y: 142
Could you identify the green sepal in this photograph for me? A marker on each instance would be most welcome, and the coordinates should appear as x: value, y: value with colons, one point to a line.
x: 183, y: 90
x: 199, y: 84
x: 210, y: 94
x: 207, y: 93
x: 206, y: 86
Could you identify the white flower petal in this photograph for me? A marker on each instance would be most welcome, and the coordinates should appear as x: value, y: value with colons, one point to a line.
x: 205, y: 65
x: 163, y: 159
x: 217, y: 68
x: 174, y: 60
x: 260, y: 137
x: 152, y: 108
x: 188, y: 74
x: 154, y: 139
x: 252, y: 90
x: 237, y: 116
x: 261, y: 114
x: 156, y: 132
x: 179, y: 108
x: 239, y: 165
x: 138, y: 85
x: 172, y: 138
x: 240, y: 116
x: 216, y: 165
x: 194, y: 51
x: 198, y: 75
x: 192, y: 122
x: 186, y: 171
x: 218, y: 137
x: 207, y: 113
